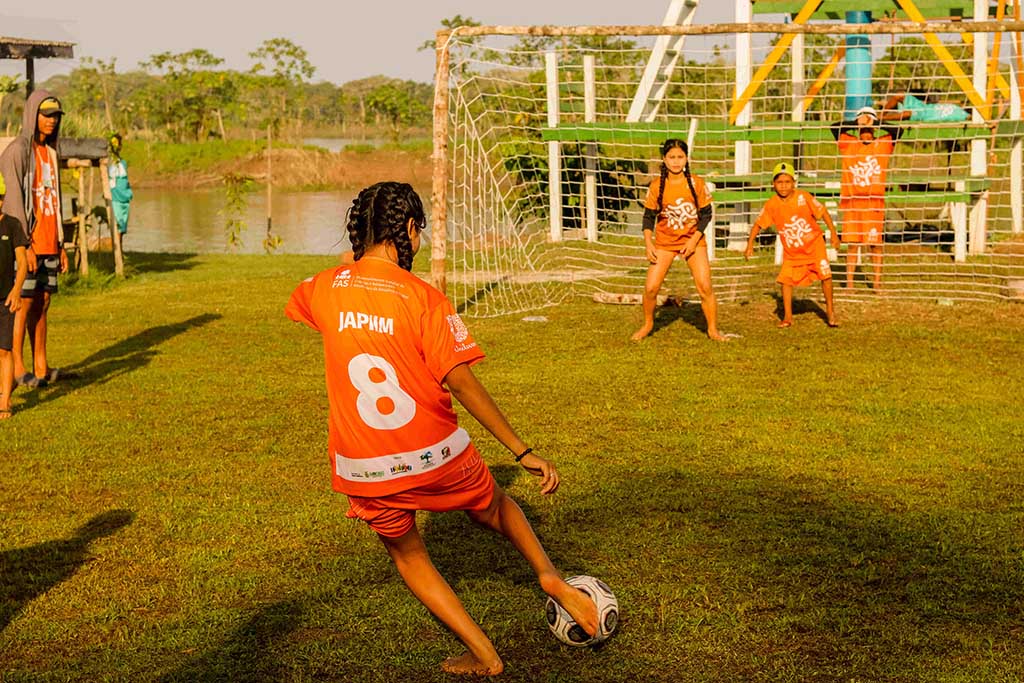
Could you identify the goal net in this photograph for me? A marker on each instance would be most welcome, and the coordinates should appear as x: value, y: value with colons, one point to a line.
x: 552, y: 137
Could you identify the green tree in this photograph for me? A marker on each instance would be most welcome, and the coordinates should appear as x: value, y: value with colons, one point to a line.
x: 284, y: 68
x: 397, y: 105
x: 191, y: 91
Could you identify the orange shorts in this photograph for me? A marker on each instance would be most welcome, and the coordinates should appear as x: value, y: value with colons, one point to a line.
x: 467, y: 486
x: 863, y: 224
x: 802, y: 274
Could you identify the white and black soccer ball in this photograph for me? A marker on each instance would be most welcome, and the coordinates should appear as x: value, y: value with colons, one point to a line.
x: 567, y: 630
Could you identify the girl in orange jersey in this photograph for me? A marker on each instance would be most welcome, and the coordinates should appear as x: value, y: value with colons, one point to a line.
x: 677, y: 210
x: 394, y: 349
x: 795, y: 215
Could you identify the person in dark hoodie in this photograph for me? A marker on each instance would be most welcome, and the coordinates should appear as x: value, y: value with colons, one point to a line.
x: 30, y: 168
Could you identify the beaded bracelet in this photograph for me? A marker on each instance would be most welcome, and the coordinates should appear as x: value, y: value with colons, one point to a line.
x: 524, y: 454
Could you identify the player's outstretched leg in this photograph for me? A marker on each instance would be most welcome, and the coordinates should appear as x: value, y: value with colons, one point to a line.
x: 655, y: 277
x: 426, y: 583
x: 504, y: 516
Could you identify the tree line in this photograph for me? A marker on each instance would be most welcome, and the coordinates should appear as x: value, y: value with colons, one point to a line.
x: 191, y: 96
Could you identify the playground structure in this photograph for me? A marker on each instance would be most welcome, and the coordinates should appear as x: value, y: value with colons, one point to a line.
x: 545, y: 137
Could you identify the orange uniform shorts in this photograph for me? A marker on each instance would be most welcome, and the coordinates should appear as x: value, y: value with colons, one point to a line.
x: 467, y: 486
x: 803, y: 274
x: 863, y: 221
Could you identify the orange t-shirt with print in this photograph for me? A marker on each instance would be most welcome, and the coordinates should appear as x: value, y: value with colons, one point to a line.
x: 389, y: 341
x: 678, y: 218
x: 865, y: 164
x: 796, y: 220
x: 45, y: 197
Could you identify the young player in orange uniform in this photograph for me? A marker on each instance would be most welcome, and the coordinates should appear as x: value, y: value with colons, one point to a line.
x: 677, y: 210
x: 865, y: 159
x: 795, y: 215
x: 392, y: 343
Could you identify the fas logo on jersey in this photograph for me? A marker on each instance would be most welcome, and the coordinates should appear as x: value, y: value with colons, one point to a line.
x: 866, y: 172
x: 342, y: 279
x: 458, y: 328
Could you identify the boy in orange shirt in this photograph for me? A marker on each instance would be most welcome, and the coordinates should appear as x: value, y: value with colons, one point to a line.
x: 392, y: 343
x: 865, y: 161
x: 795, y: 215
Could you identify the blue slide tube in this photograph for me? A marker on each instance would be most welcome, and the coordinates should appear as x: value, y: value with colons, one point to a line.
x: 858, y: 66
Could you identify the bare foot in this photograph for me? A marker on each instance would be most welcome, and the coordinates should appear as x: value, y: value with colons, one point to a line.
x: 5, y: 413
x: 832, y: 322
x: 642, y: 332
x: 785, y: 323
x: 469, y: 664
x: 577, y: 603
x: 715, y: 335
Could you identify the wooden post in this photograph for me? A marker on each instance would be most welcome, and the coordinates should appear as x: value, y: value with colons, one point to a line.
x: 270, y: 184
x: 439, y: 181
x: 115, y: 236
x: 958, y: 217
x: 554, y: 149
x: 589, y: 116
x: 30, y: 76
x: 83, y: 210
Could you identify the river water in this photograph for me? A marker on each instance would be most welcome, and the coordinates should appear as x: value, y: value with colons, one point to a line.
x: 192, y: 221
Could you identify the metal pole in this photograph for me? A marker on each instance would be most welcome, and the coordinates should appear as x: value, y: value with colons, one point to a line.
x: 589, y: 116
x: 554, y: 150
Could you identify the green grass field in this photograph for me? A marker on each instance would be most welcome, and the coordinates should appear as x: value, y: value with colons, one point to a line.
x: 799, y: 505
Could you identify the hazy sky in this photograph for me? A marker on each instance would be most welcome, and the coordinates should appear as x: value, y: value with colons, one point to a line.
x: 345, y: 39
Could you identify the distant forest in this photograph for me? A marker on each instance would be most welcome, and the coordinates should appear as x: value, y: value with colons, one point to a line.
x: 189, y: 96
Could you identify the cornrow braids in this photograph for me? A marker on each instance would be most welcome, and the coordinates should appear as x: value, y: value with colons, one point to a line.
x: 381, y: 213
x: 661, y: 187
x: 689, y: 181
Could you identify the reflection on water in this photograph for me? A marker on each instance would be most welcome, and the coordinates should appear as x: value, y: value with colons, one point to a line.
x: 193, y: 221
x: 338, y: 144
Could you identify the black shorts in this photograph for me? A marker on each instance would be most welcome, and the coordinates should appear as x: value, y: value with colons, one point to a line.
x: 6, y: 328
x: 44, y: 279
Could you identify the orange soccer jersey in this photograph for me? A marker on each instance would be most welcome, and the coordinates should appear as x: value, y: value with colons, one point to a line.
x: 46, y: 198
x: 796, y: 220
x: 678, y: 218
x: 862, y: 187
x: 389, y: 341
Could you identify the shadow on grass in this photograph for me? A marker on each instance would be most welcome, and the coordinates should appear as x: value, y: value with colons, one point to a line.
x: 115, y: 360
x: 102, y: 262
x: 748, y: 576
x: 475, y: 298
x: 252, y: 652
x: 800, y: 305
x: 689, y: 313
x: 27, y: 573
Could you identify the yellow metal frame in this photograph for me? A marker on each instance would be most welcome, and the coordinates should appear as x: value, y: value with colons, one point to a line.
x: 773, y: 58
x: 826, y: 73
x: 982, y: 104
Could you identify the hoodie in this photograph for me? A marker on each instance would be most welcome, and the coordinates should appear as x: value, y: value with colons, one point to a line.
x: 18, y: 168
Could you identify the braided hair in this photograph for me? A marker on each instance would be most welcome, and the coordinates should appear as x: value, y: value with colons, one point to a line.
x: 666, y: 147
x: 380, y: 213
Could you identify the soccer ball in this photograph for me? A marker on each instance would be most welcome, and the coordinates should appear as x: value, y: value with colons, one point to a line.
x: 567, y: 630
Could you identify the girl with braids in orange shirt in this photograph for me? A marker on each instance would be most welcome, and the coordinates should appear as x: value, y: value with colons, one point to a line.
x: 677, y: 210
x: 395, y: 353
